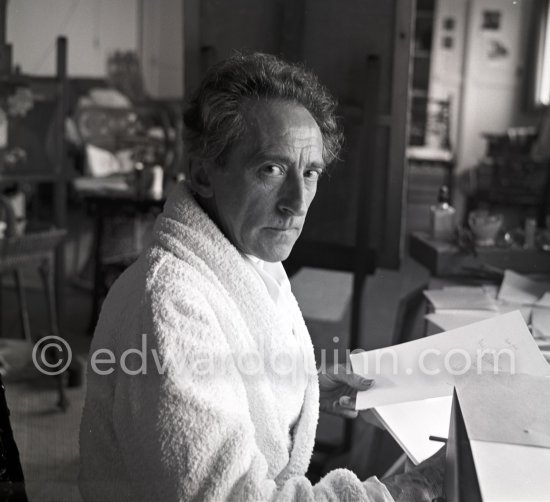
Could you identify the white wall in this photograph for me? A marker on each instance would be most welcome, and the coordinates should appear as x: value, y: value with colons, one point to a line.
x: 446, y: 71
x: 490, y: 92
x: 493, y: 98
x: 162, y: 47
x: 94, y: 28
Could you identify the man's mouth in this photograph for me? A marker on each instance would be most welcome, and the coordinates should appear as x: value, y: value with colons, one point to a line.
x: 283, y: 229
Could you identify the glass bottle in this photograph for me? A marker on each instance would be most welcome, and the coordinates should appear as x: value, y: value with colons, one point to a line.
x: 442, y: 217
x: 3, y: 129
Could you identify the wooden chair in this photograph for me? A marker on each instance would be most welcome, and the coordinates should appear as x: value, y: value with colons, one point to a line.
x: 34, y: 248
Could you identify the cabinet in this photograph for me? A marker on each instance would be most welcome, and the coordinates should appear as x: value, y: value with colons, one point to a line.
x: 421, y: 49
x: 429, y: 155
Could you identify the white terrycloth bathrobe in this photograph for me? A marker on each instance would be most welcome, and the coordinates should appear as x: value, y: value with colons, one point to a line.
x: 198, y: 420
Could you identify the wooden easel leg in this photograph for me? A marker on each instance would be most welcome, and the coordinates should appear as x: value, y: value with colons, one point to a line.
x: 23, y: 309
x: 45, y: 273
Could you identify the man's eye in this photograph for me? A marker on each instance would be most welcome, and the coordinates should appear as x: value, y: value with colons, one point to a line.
x: 273, y: 170
x: 313, y: 174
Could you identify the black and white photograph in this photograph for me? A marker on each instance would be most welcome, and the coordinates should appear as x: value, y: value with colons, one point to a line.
x: 274, y: 250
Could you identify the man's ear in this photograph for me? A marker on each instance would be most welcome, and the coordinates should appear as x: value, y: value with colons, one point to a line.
x: 200, y: 178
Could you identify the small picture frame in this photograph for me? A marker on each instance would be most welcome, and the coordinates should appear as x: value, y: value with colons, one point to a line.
x: 448, y: 42
x: 449, y: 23
x: 491, y: 20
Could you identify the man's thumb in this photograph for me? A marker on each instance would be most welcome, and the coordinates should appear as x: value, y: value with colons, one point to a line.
x: 357, y: 381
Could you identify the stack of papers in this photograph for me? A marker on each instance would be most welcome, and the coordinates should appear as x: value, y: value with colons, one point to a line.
x: 507, y: 418
x: 459, y: 306
x: 462, y: 298
x: 520, y: 290
x: 409, y: 376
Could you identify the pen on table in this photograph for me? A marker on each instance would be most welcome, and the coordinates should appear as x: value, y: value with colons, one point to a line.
x: 437, y: 438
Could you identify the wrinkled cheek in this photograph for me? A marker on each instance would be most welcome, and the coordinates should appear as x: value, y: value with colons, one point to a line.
x: 252, y: 237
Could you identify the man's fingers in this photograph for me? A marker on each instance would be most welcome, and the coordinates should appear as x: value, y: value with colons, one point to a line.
x: 347, y: 402
x: 356, y: 382
x: 343, y: 411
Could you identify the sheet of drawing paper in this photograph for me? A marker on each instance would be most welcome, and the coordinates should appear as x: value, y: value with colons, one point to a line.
x: 517, y: 288
x: 510, y: 473
x: 411, y: 425
x: 425, y: 368
x: 506, y: 408
x: 505, y: 307
x: 458, y: 299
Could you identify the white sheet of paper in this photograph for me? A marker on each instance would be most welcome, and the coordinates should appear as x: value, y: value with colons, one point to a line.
x: 510, y: 472
x: 505, y: 307
x: 512, y: 409
x: 449, y: 319
x: 491, y: 290
x: 517, y: 288
x: 101, y: 162
x: 412, y: 424
x: 424, y: 368
x: 459, y: 299
x: 463, y: 289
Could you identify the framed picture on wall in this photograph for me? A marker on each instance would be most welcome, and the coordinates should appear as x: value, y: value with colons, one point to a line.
x: 491, y: 20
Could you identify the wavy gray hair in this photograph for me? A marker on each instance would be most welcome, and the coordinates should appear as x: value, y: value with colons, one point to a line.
x: 213, y: 118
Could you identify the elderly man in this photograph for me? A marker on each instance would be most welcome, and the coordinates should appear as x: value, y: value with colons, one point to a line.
x: 225, y: 405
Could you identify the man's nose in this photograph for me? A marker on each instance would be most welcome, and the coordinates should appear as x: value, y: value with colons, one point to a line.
x: 292, y: 199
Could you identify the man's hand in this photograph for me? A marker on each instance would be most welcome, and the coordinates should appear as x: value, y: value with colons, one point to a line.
x: 338, y: 388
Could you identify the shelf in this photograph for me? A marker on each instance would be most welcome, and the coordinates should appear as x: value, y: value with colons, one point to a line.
x: 22, y: 176
x: 428, y: 154
x: 13, y: 80
x: 447, y: 259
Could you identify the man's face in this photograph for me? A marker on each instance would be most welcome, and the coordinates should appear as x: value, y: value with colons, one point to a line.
x: 261, y: 196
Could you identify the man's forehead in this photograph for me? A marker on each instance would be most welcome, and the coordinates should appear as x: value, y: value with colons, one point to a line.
x: 276, y: 123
